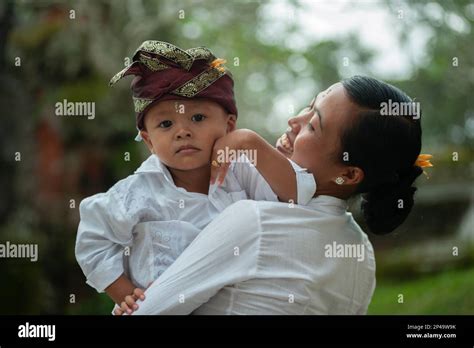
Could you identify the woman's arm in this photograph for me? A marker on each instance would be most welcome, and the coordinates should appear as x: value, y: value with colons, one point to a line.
x: 224, y: 253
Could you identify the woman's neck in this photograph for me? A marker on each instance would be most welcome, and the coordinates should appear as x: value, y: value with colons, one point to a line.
x: 194, y: 180
x: 335, y: 191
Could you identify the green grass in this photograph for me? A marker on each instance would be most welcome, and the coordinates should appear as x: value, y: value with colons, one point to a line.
x: 450, y: 292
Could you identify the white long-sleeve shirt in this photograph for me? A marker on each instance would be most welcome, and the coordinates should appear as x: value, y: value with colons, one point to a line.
x: 144, y: 222
x: 270, y: 258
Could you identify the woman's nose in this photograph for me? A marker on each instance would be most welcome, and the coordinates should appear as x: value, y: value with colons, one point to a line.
x: 295, y: 124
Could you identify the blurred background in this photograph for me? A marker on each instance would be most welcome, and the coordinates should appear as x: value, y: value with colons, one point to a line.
x: 281, y: 53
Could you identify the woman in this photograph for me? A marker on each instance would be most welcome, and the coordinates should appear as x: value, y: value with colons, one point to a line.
x: 275, y: 258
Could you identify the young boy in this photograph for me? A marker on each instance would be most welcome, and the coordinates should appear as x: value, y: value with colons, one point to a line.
x: 184, y: 102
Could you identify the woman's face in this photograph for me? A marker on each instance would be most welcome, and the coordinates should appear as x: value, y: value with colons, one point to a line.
x: 313, y: 138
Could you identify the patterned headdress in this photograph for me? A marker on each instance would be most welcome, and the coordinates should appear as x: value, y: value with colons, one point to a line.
x: 164, y: 72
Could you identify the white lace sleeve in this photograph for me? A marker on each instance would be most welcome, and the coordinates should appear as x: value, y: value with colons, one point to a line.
x: 104, y: 230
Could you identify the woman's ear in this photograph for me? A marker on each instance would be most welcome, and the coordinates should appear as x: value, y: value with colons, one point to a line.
x: 146, y: 139
x: 231, y: 123
x: 352, y: 175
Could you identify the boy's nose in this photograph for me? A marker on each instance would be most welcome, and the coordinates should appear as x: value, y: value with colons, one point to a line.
x: 183, y: 133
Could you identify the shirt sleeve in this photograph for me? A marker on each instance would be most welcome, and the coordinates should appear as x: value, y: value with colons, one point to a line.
x: 224, y: 253
x: 103, y: 233
x: 250, y: 179
x: 306, y: 185
x: 258, y: 189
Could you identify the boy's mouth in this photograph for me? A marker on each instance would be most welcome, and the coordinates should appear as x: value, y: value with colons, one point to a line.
x: 187, y: 149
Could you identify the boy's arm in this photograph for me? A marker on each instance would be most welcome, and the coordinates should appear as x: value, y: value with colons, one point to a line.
x: 120, y: 289
x: 103, y: 233
x: 272, y: 165
x: 251, y: 181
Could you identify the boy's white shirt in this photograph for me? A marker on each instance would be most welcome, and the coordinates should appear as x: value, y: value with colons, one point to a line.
x: 144, y: 222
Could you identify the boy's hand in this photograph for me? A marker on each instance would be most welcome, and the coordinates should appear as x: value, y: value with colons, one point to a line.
x: 284, y: 146
x: 128, y: 305
x: 272, y: 164
x: 240, y: 139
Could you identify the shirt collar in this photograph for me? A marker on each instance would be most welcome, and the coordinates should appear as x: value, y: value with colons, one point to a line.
x: 328, y: 204
x: 153, y: 164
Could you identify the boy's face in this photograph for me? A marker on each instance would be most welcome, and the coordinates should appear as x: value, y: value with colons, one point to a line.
x: 182, y: 132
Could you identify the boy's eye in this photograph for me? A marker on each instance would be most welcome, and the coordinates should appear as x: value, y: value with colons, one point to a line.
x: 165, y: 124
x: 310, y: 127
x: 198, y: 118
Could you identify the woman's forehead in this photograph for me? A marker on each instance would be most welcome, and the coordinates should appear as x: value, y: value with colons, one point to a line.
x: 334, y: 103
x: 334, y: 88
x: 324, y: 93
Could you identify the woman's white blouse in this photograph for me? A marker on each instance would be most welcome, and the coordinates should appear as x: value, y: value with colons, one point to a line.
x: 144, y: 222
x: 270, y: 258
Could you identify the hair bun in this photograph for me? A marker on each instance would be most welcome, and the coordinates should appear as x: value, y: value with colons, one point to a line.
x: 388, y: 205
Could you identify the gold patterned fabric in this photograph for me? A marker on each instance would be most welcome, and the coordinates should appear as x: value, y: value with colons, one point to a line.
x: 141, y: 103
x: 164, y: 71
x: 168, y: 51
x: 152, y: 63
x: 200, y: 82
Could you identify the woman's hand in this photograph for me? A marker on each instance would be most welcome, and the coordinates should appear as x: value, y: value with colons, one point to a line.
x: 226, y: 150
x: 129, y: 305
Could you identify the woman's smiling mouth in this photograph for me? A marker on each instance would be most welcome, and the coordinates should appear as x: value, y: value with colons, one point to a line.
x: 286, y: 142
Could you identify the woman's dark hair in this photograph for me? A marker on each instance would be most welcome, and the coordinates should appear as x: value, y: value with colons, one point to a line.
x: 385, y: 147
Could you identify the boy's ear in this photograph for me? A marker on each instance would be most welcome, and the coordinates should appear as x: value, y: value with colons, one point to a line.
x: 231, y: 123
x: 146, y: 139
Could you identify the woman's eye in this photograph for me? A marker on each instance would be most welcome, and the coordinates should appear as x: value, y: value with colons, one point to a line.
x: 198, y: 118
x: 310, y: 127
x: 165, y: 124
